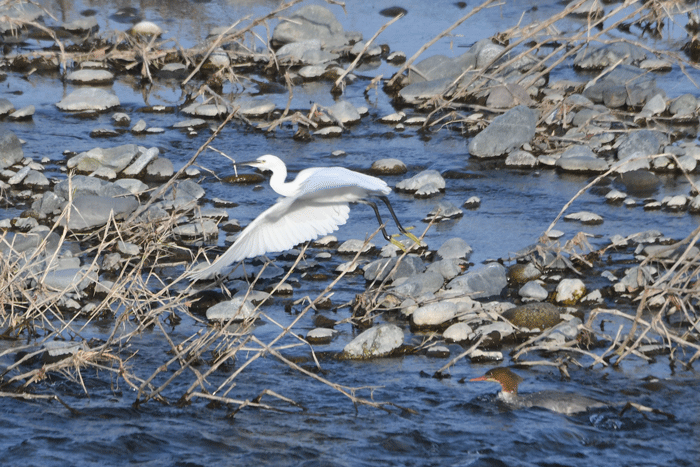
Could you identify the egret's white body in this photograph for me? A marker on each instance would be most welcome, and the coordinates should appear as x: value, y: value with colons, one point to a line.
x: 315, y: 203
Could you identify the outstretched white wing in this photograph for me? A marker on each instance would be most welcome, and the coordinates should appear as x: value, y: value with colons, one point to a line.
x: 287, y: 223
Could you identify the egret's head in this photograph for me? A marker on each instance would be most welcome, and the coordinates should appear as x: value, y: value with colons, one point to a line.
x: 266, y: 162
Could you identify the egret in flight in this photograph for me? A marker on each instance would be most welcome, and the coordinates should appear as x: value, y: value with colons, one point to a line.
x: 316, y: 203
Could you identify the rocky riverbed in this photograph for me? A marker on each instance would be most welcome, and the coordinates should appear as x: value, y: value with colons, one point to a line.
x: 98, y: 233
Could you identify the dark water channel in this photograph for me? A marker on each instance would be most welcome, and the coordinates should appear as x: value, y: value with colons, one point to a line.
x: 455, y: 423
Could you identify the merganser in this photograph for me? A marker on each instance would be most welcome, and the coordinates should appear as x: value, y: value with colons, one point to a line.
x: 560, y: 402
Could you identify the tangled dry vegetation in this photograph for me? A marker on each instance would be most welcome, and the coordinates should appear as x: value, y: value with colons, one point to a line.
x: 43, y: 339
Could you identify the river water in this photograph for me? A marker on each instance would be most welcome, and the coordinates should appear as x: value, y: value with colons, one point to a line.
x: 453, y: 422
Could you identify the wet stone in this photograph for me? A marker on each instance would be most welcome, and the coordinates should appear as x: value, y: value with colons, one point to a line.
x: 160, y: 169
x: 534, y: 316
x: 455, y: 248
x: 388, y: 167
x: 381, y: 268
x: 521, y: 273
x: 443, y: 211
x: 472, y: 203
x: 353, y: 246
x: 533, y: 290
x: 458, y: 332
x: 486, y: 281
x: 321, y: 336
x: 434, y: 315
x: 6, y: 107
x: 584, y: 217
x: 329, y: 131
x: 520, y: 158
x: 89, y: 211
x: 88, y: 99
x: 506, y: 133
x: 311, y: 22
x: 10, y: 149
x: 378, y: 341
x: 570, y: 291
x: 234, y: 310
x: 25, y: 113
x: 344, y: 112
x: 420, y: 180
x: 90, y: 76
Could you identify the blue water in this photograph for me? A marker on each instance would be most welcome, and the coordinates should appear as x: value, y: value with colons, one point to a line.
x: 447, y: 421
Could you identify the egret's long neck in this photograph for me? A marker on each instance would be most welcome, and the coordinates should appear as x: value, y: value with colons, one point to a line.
x: 277, y: 181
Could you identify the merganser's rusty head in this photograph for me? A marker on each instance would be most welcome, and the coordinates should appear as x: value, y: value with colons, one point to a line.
x: 507, y: 379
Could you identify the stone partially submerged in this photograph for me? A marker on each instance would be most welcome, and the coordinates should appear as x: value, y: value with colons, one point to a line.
x: 506, y: 133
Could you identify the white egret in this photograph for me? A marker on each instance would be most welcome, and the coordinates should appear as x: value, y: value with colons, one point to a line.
x: 316, y: 203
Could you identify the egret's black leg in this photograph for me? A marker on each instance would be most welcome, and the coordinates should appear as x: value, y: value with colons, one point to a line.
x: 379, y: 217
x: 396, y: 219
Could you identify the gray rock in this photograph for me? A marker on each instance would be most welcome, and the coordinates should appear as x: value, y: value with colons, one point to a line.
x: 183, y: 192
x: 458, y: 332
x: 344, y: 113
x: 455, y: 248
x: 205, y: 110
x: 190, y: 123
x: 648, y: 142
x: 683, y: 105
x: 25, y: 113
x: 508, y: 95
x: 89, y: 211
x: 640, y: 183
x: 378, y: 341
x: 434, y: 314
x: 255, y: 107
x: 17, y: 13
x: 128, y: 248
x: 10, y: 149
x: 90, y: 76
x: 88, y: 99
x: 294, y: 51
x: 79, y: 185
x: 419, y: 92
x: 6, y: 107
x: 308, y: 23
x: 352, y: 246
x: 580, y: 158
x: 592, y: 8
x: 418, y: 285
x: 321, y: 336
x: 49, y: 204
x: 486, y: 281
x: 520, y: 158
x: 444, y: 210
x: 234, y: 310
x: 81, y: 25
x: 447, y: 268
x: 388, y: 167
x: 69, y: 280
x: 585, y: 217
x: 160, y: 169
x: 595, y: 57
x: 570, y: 291
x: 206, y: 228
x: 506, y: 133
x: 143, y: 159
x: 36, y: 179
x: 116, y: 158
x: 329, y: 131
x: 380, y: 269
x: 533, y: 290
x: 418, y: 181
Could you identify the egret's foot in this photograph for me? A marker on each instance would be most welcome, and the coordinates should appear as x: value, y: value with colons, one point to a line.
x: 397, y: 243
